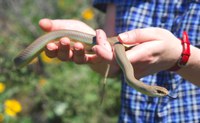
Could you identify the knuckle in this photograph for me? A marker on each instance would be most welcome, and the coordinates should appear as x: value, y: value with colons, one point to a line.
x: 79, y: 61
x: 49, y: 54
x: 136, y: 33
x: 160, y: 31
x: 62, y: 58
x: 133, y: 35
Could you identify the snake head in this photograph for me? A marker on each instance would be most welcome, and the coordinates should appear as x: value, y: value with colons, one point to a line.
x: 159, y: 91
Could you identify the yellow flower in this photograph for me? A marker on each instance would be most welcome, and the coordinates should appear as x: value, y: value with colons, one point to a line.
x: 61, y: 4
x: 42, y: 82
x: 1, y: 118
x: 88, y: 14
x: 45, y: 58
x: 2, y: 87
x: 12, y: 107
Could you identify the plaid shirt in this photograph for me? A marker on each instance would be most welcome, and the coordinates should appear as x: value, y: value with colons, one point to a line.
x: 175, y: 16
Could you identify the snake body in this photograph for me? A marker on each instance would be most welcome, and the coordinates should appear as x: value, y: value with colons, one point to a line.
x: 34, y: 49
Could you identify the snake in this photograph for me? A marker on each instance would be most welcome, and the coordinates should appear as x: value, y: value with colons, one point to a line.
x: 89, y: 40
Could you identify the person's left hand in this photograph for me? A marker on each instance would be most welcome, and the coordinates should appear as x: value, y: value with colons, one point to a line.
x: 156, y: 50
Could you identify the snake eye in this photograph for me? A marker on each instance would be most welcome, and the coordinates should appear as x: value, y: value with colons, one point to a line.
x: 161, y: 92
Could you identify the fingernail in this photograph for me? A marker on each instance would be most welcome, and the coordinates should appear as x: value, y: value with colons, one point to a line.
x: 50, y: 46
x: 123, y: 37
x: 63, y: 42
x: 76, y: 49
x: 98, y: 31
x: 98, y: 34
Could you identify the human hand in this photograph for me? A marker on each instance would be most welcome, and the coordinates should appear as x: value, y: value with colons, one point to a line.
x: 63, y: 51
x: 157, y: 50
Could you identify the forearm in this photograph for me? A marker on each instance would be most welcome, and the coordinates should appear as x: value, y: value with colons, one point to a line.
x: 191, y: 71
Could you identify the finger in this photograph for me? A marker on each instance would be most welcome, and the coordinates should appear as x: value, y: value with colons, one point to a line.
x: 51, y: 50
x: 145, y: 52
x: 79, y: 56
x: 50, y: 25
x: 103, y: 49
x: 46, y: 24
x: 64, y: 52
x: 141, y: 35
x: 102, y: 39
x: 103, y: 53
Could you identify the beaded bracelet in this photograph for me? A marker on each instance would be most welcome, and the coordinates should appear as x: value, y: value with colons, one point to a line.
x: 184, y: 55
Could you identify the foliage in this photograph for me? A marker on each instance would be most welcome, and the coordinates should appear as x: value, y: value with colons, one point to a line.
x: 49, y: 91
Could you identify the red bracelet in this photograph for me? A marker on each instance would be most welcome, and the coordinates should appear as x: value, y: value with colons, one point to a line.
x: 184, y: 55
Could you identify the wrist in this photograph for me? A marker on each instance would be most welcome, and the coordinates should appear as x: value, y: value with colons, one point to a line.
x: 189, y: 62
x: 192, y: 69
x: 185, y: 55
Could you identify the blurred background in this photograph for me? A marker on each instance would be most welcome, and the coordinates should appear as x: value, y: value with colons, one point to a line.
x: 50, y: 91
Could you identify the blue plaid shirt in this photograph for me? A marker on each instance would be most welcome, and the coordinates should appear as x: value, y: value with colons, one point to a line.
x: 175, y: 16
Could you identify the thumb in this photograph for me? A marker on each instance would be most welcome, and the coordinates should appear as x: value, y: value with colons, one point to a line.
x: 103, y: 49
x: 140, y: 35
x: 45, y: 24
x: 50, y: 25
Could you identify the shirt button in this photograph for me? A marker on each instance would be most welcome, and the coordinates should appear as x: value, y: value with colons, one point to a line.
x: 164, y: 19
